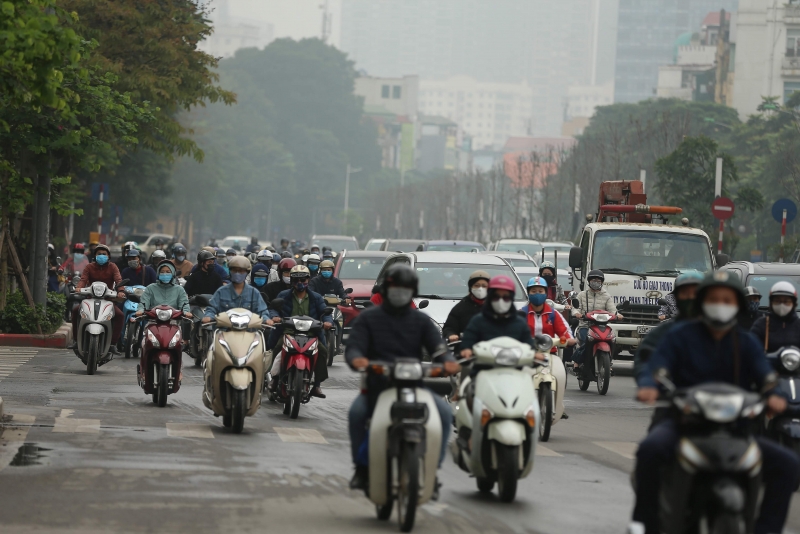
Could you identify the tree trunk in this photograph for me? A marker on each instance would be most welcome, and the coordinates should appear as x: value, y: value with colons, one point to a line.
x: 41, y: 228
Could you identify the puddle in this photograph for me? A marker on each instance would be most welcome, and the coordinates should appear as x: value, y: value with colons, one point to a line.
x: 28, y: 454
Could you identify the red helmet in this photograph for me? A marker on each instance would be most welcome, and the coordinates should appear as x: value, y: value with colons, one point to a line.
x: 502, y: 282
x: 286, y: 264
x: 78, y: 246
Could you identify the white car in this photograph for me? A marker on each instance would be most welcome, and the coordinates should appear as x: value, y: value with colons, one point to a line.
x: 374, y: 244
x: 522, y: 264
x: 232, y: 240
x: 531, y: 247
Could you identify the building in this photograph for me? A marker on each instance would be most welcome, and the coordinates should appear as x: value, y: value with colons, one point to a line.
x: 231, y: 33
x: 438, y: 144
x: 393, y: 95
x: 489, y: 113
x: 582, y: 100
x: 767, y: 56
x: 646, y: 35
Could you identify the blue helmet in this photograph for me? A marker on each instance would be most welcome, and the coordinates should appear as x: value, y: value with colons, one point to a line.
x: 537, y: 281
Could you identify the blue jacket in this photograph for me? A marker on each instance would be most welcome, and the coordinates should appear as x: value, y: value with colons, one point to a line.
x: 226, y: 298
x: 693, y: 357
x: 219, y: 269
x: 150, y: 276
x: 316, y: 306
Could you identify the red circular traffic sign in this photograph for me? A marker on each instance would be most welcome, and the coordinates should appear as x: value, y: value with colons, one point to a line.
x: 722, y: 208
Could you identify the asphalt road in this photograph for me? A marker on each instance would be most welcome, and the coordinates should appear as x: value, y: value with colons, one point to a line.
x: 93, y: 454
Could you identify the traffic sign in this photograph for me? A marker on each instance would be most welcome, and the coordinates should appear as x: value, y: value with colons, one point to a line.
x: 722, y: 208
x: 784, y: 204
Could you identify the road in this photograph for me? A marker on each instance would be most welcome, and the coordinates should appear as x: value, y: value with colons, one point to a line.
x: 93, y: 454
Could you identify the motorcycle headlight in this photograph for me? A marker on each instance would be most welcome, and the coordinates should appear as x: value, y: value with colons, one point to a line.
x: 506, y: 355
x: 720, y: 408
x: 408, y: 371
x: 175, y: 339
x: 99, y: 289
x: 164, y: 315
x: 790, y: 359
x: 239, y: 321
x: 152, y: 339
x: 602, y: 317
x: 302, y: 326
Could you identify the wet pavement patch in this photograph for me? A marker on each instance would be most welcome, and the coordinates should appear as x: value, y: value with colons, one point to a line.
x: 28, y: 454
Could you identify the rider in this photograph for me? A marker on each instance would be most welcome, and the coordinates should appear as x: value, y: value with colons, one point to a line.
x: 541, y: 318
x: 237, y: 294
x: 204, y: 280
x: 781, y: 327
x: 136, y: 272
x: 299, y: 300
x: 594, y: 298
x: 312, y: 262
x: 156, y: 257
x: 753, y: 307
x: 468, y: 307
x: 77, y: 262
x: 166, y: 292
x: 284, y: 246
x: 182, y: 265
x: 385, y: 333
x: 253, y: 246
x: 326, y: 283
x: 713, y: 349
x: 102, y: 270
x: 285, y: 267
x: 122, y: 261
x: 547, y: 270
x: 264, y: 257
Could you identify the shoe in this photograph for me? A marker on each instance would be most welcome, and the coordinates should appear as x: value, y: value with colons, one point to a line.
x: 316, y: 391
x: 436, y: 486
x: 360, y: 480
x: 114, y: 350
x: 564, y: 416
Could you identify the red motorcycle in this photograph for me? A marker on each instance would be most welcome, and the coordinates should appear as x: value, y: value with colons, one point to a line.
x: 159, y: 372
x: 600, y: 344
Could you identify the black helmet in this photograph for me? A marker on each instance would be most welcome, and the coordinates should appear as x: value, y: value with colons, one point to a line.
x: 286, y: 254
x: 284, y: 240
x: 179, y: 249
x: 596, y: 273
x: 231, y: 252
x: 204, y: 256
x: 400, y: 275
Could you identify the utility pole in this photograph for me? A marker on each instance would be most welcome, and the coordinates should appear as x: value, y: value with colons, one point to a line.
x: 350, y: 170
x: 327, y: 19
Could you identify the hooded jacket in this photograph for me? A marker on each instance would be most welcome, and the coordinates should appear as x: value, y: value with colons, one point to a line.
x: 460, y: 316
x: 201, y: 282
x: 488, y: 325
x: 591, y: 300
x: 168, y: 294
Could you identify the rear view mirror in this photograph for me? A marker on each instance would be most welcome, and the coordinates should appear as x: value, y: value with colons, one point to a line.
x: 349, y: 290
x: 576, y: 257
x: 123, y: 282
x: 576, y: 303
x: 277, y: 305
x: 722, y: 259
x: 423, y: 304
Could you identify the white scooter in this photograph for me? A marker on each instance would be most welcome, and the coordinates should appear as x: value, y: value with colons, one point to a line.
x: 94, y: 327
x: 497, y: 416
x: 550, y: 382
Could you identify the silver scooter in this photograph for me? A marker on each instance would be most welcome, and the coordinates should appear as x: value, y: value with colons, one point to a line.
x: 94, y: 327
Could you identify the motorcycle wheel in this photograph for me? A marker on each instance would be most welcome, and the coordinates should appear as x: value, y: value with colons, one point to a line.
x: 129, y: 339
x: 408, y: 486
x: 238, y: 410
x: 331, y: 346
x: 546, y: 407
x: 582, y: 384
x: 603, y: 372
x: 200, y: 349
x: 728, y: 524
x: 92, y: 355
x: 227, y: 420
x: 485, y: 485
x: 296, y: 393
x: 163, y: 385
x: 507, y: 471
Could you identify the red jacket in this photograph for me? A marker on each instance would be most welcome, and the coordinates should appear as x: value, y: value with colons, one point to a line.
x: 548, y: 322
x: 108, y: 273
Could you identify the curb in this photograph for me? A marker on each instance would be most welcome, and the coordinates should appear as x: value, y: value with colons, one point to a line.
x: 58, y: 340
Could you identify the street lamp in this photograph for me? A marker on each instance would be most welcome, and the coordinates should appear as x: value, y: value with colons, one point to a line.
x: 350, y: 170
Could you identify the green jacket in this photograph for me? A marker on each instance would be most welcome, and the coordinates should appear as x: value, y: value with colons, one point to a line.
x: 169, y: 294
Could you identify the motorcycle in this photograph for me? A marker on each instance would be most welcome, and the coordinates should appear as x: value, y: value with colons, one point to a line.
x: 404, y: 442
x: 94, y: 326
x: 199, y: 337
x: 600, y: 346
x: 130, y: 330
x: 714, y: 482
x: 497, y: 418
x: 333, y: 336
x: 785, y: 428
x: 233, y: 372
x: 550, y: 382
x: 159, y: 370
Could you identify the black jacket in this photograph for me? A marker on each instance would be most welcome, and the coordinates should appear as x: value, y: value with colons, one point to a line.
x: 487, y: 325
x: 327, y: 286
x: 202, y: 283
x: 783, y: 331
x: 274, y: 288
x: 460, y: 316
x: 747, y: 320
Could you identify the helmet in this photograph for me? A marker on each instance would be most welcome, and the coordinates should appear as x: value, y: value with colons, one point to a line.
x: 299, y: 271
x: 547, y: 265
x: 209, y: 249
x: 537, y: 281
x: 751, y: 291
x: 264, y: 255
x: 132, y: 253
x: 158, y: 255
x: 158, y: 241
x: 260, y: 272
x: 783, y: 289
x: 94, y: 242
x: 270, y: 248
x: 286, y: 264
x: 231, y: 251
x: 327, y: 264
x: 220, y: 253
x: 477, y: 275
x: 239, y: 262
x: 284, y: 240
x: 721, y: 279
x: 688, y: 278
x: 286, y: 254
x: 315, y: 246
x: 596, y: 273
x: 312, y: 258
x: 304, y: 259
x: 179, y: 249
x: 400, y: 275
x: 204, y: 256
x: 102, y: 247
x: 78, y: 246
x: 502, y: 282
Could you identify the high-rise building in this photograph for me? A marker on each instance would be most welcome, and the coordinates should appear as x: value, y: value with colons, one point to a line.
x: 646, y: 35
x: 232, y: 33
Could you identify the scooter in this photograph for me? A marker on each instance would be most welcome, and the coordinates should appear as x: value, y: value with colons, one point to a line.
x: 497, y: 418
x: 404, y: 442
x: 94, y: 327
x: 233, y: 373
x: 130, y: 330
x: 550, y: 382
x: 785, y: 428
x: 159, y: 370
x: 199, y: 337
x: 600, y: 346
x: 714, y: 482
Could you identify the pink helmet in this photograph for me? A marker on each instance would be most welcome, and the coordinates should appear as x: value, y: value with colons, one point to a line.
x: 503, y: 282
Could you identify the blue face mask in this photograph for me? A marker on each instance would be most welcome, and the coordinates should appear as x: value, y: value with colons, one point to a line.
x: 300, y: 287
x: 312, y: 267
x: 260, y: 281
x: 165, y: 278
x: 101, y: 260
x: 78, y: 257
x: 238, y: 278
x: 326, y: 274
x: 537, y: 299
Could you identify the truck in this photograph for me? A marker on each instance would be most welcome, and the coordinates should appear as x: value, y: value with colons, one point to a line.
x: 640, y: 251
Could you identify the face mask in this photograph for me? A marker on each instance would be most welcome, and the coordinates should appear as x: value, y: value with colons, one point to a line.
x: 133, y: 264
x: 479, y: 292
x: 300, y: 287
x: 101, y: 260
x: 165, y: 278
x: 537, y: 299
x: 78, y: 257
x: 260, y: 281
x: 238, y: 278
x: 399, y: 297
x: 501, y: 306
x: 180, y: 258
x: 720, y: 315
x: 312, y: 267
x: 685, y: 307
x: 286, y: 279
x: 326, y: 274
x: 549, y: 278
x: 782, y: 310
x: 597, y: 285
x: 753, y: 306
x: 221, y: 261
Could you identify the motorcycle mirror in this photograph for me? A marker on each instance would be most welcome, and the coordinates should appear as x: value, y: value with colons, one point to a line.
x: 328, y: 310
x: 576, y: 303
x: 423, y: 304
x: 123, y: 282
x: 366, y: 304
x: 276, y: 304
x: 348, y: 290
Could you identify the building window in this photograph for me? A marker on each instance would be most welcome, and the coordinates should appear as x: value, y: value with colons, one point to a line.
x: 792, y: 43
x: 788, y: 89
x: 384, y: 91
x: 396, y: 92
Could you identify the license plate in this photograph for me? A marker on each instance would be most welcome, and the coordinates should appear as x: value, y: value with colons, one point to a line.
x: 643, y: 330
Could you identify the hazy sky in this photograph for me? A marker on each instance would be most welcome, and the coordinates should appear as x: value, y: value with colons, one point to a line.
x: 291, y: 18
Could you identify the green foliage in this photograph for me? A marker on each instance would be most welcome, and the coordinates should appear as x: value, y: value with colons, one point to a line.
x: 19, y: 318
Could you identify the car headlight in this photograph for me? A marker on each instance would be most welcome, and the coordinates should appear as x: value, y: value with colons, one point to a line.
x: 175, y: 339
x: 302, y: 326
x: 506, y: 355
x: 408, y: 371
x: 790, y: 358
x: 720, y: 408
x: 152, y: 339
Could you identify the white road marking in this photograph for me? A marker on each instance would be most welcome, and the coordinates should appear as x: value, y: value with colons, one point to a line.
x: 626, y: 449
x: 541, y: 450
x: 11, y: 436
x: 299, y: 435
x: 186, y: 430
x: 67, y: 413
x: 11, y: 359
x: 77, y: 426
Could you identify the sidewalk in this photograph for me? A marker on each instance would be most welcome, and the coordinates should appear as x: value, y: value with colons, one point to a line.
x: 58, y: 340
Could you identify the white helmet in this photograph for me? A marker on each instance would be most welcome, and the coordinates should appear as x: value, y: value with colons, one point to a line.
x: 783, y: 289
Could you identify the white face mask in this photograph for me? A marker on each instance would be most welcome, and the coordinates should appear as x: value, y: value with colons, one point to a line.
x: 286, y: 279
x: 720, y: 313
x: 501, y: 306
x: 782, y: 310
x: 479, y: 292
x: 399, y: 296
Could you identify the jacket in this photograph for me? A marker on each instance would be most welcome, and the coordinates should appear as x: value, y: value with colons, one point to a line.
x: 548, y: 321
x: 594, y: 300
x: 273, y: 289
x: 460, y: 316
x: 219, y: 269
x: 94, y: 272
x: 649, y: 345
x: 327, y: 286
x: 316, y: 306
x: 168, y: 294
x: 692, y: 357
x: 202, y: 283
x: 783, y: 331
x: 488, y: 325
x: 225, y: 298
x: 143, y: 276
x: 184, y: 268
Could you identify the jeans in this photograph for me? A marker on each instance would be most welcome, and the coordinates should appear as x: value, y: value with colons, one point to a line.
x: 360, y: 412
x: 781, y: 473
x: 581, y: 333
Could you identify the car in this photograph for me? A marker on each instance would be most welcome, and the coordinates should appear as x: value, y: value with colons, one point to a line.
x: 531, y: 247
x: 763, y: 276
x: 374, y: 244
x: 337, y: 243
x: 443, y: 277
x: 401, y: 245
x: 147, y: 242
x: 451, y: 246
x: 358, y: 270
x: 522, y: 264
x: 233, y: 241
x: 549, y: 250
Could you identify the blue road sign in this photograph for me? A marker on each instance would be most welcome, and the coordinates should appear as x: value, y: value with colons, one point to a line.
x: 784, y: 204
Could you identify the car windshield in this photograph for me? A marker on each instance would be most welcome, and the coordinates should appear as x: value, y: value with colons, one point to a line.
x: 360, y: 268
x: 455, y: 248
x: 402, y: 245
x: 449, y: 280
x: 374, y: 245
x: 656, y: 253
x: 338, y: 245
x: 531, y: 249
x: 521, y: 262
x: 765, y: 282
